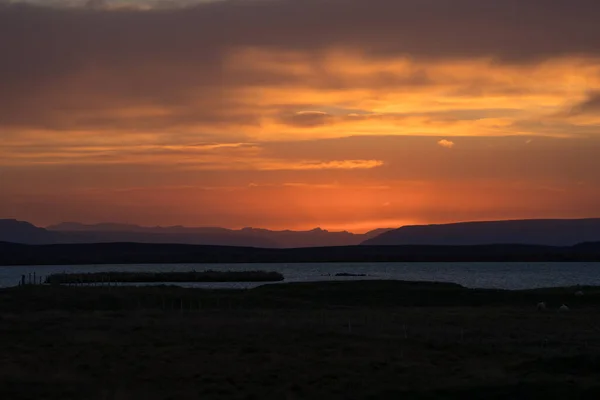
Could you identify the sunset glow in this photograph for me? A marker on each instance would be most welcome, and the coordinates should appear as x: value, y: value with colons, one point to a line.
x: 283, y: 114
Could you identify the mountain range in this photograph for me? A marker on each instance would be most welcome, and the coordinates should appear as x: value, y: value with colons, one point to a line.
x: 71, y: 232
x: 542, y: 232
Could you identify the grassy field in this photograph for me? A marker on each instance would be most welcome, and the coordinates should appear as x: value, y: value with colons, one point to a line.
x: 170, y: 277
x: 330, y: 340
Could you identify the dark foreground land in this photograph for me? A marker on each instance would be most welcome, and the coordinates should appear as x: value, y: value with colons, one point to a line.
x: 334, y: 340
x: 145, y: 253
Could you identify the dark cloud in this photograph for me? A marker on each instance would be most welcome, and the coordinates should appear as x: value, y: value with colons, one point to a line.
x: 591, y: 105
x: 307, y: 119
x: 60, y: 64
x: 96, y: 4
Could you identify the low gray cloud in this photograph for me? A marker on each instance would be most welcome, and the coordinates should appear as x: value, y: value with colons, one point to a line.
x: 307, y: 119
x: 96, y: 4
x: 591, y: 105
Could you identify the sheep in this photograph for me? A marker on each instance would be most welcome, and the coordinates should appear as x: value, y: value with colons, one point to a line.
x: 563, y: 308
x: 541, y: 306
x: 579, y: 293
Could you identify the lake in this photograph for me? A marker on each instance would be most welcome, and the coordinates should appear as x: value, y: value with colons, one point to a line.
x: 473, y: 275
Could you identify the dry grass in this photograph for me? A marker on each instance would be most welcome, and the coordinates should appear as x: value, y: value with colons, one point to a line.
x: 312, y: 349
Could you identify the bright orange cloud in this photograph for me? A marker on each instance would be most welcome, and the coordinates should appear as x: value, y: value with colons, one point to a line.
x: 446, y: 143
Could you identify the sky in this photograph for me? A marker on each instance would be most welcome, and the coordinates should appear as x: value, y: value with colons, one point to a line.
x: 293, y: 114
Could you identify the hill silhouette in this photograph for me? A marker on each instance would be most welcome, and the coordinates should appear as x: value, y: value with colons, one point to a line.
x: 147, y: 253
x: 72, y: 232
x: 253, y: 237
x: 548, y: 232
x: 15, y: 231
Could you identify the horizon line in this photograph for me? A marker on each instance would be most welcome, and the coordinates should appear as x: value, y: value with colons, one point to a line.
x: 317, y: 228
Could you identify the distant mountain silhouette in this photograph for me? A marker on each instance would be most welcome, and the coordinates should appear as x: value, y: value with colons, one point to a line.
x: 73, y: 232
x: 313, y: 238
x: 547, y: 232
x: 15, y: 231
x: 213, y: 239
x: 114, y: 227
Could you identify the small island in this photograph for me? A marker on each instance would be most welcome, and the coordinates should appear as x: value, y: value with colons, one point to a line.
x: 166, y: 277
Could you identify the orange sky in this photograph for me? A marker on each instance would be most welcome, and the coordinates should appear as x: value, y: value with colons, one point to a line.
x: 343, y: 114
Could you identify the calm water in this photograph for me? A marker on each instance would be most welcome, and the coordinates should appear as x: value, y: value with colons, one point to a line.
x: 480, y: 275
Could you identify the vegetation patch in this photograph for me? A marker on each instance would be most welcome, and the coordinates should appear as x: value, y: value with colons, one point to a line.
x: 170, y: 277
x: 323, y: 340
